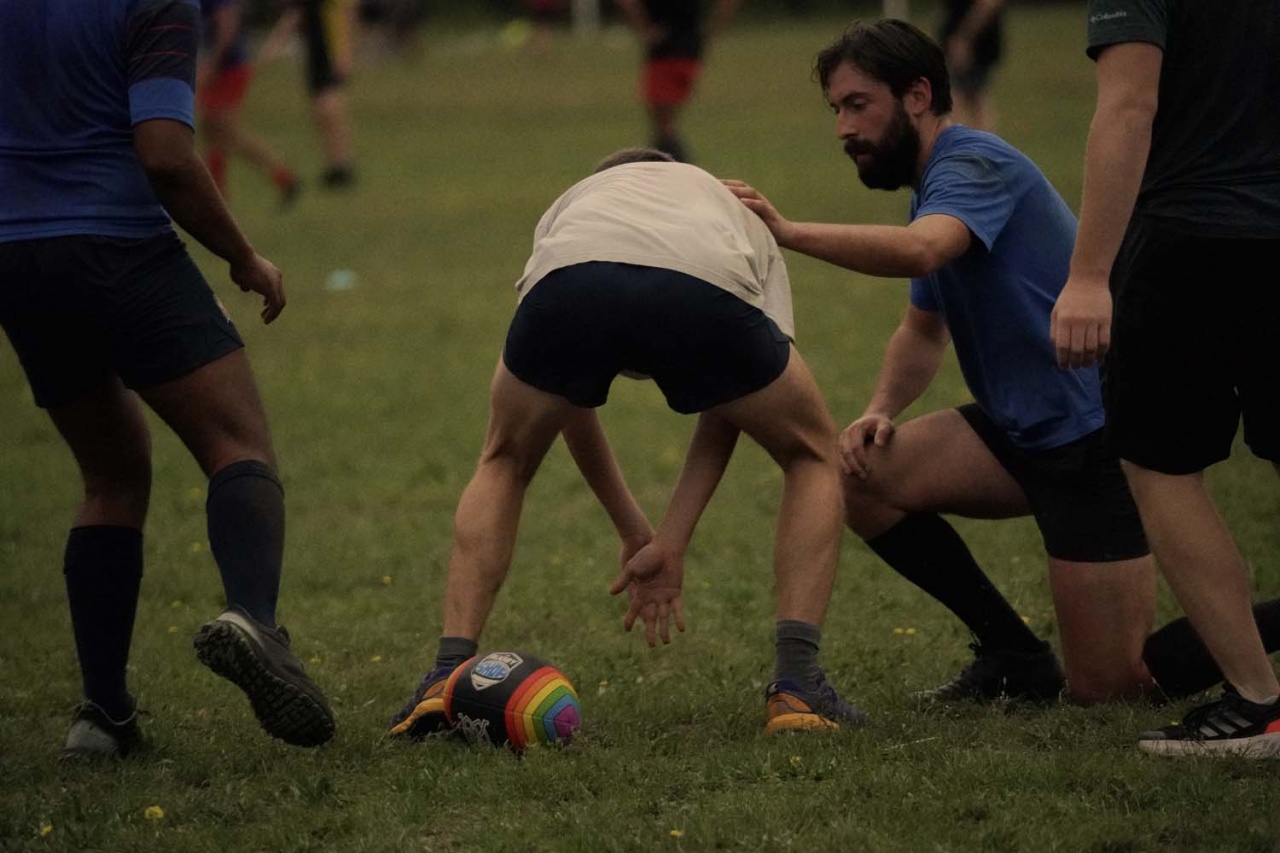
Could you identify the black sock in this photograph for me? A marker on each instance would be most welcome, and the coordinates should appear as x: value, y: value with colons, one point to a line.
x: 1179, y: 661
x: 102, y: 567
x: 455, y: 650
x: 927, y: 551
x: 245, y: 512
x: 797, y: 649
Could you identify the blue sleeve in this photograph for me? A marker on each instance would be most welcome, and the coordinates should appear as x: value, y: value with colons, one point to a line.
x: 1121, y: 21
x: 969, y: 188
x: 160, y: 55
x: 922, y: 296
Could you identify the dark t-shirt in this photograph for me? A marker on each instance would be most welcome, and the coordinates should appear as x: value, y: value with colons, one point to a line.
x: 1214, y: 166
x: 681, y: 23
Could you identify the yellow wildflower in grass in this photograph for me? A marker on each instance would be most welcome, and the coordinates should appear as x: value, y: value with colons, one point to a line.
x: 386, y: 580
x: 196, y: 547
x: 153, y: 813
x: 173, y: 629
x: 376, y: 659
x: 899, y: 631
x: 45, y: 829
x: 677, y: 833
x: 911, y: 631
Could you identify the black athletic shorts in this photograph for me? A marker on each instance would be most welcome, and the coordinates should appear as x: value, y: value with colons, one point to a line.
x: 582, y: 325
x: 1193, y: 349
x: 325, y: 32
x: 78, y: 309
x: 1078, y: 494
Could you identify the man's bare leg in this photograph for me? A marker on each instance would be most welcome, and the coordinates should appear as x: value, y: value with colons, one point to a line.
x: 1208, y: 576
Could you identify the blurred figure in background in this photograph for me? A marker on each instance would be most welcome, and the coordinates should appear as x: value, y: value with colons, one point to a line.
x: 222, y: 79
x: 675, y: 39
x: 973, y: 38
x: 328, y: 30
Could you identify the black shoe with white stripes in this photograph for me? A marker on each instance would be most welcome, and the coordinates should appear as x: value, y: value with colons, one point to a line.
x: 1231, y: 726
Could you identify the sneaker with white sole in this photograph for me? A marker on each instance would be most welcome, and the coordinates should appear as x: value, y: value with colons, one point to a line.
x: 1231, y: 726
x: 257, y: 659
x: 94, y: 736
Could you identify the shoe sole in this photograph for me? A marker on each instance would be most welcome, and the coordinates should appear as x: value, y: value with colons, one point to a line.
x: 1259, y: 746
x: 284, y: 710
x: 799, y: 723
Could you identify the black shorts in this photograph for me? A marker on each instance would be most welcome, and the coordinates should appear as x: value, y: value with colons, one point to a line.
x: 78, y: 309
x: 1078, y: 494
x: 1192, y: 349
x: 325, y: 33
x: 582, y: 325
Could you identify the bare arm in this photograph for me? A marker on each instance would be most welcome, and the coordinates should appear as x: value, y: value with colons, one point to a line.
x: 911, y: 361
x: 709, y: 451
x: 1115, y: 158
x: 960, y: 46
x: 925, y: 246
x: 721, y: 14
x: 584, y: 435
x: 226, y: 21
x: 654, y: 577
x: 166, y: 150
x: 283, y: 30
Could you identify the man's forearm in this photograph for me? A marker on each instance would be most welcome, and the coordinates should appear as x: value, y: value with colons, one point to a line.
x: 589, y: 447
x: 911, y: 360
x: 880, y: 250
x: 1115, y: 157
x: 709, y: 451
x: 188, y: 193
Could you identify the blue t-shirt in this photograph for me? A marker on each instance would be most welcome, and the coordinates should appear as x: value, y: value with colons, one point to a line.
x: 75, y: 77
x: 997, y: 297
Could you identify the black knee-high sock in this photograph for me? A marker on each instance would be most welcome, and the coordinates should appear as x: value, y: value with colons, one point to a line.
x: 245, y: 512
x: 927, y: 551
x: 102, y: 568
x: 1179, y: 661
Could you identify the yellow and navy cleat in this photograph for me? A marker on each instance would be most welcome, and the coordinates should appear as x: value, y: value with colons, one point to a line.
x: 424, y: 713
x: 790, y: 707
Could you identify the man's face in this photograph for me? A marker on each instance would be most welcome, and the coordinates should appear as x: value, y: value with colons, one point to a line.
x: 877, y: 132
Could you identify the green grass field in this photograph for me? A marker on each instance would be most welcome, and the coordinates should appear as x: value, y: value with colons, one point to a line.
x: 378, y: 398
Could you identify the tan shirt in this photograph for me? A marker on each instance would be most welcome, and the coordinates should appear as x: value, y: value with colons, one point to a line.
x: 669, y: 215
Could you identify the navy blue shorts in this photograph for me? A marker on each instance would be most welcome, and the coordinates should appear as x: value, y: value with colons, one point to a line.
x: 1078, y: 494
x: 78, y: 309
x: 582, y: 325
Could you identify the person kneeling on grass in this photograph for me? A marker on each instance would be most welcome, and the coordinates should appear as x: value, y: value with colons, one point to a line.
x: 987, y: 251
x: 651, y: 267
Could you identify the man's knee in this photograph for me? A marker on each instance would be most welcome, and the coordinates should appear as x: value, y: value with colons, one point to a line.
x: 1096, y: 682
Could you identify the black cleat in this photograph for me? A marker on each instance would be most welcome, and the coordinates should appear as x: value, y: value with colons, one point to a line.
x: 1001, y: 674
x: 94, y: 736
x: 255, y: 658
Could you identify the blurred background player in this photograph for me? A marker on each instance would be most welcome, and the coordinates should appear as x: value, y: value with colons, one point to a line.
x: 650, y: 267
x: 222, y: 78
x: 328, y: 30
x: 101, y: 300
x: 675, y: 39
x: 973, y: 38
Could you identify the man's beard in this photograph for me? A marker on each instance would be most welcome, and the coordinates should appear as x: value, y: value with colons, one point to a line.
x: 892, y: 162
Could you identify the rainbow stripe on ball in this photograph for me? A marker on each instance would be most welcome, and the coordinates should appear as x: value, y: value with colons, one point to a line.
x: 543, y: 710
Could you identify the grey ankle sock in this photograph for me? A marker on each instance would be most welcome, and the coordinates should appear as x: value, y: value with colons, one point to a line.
x: 797, y: 646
